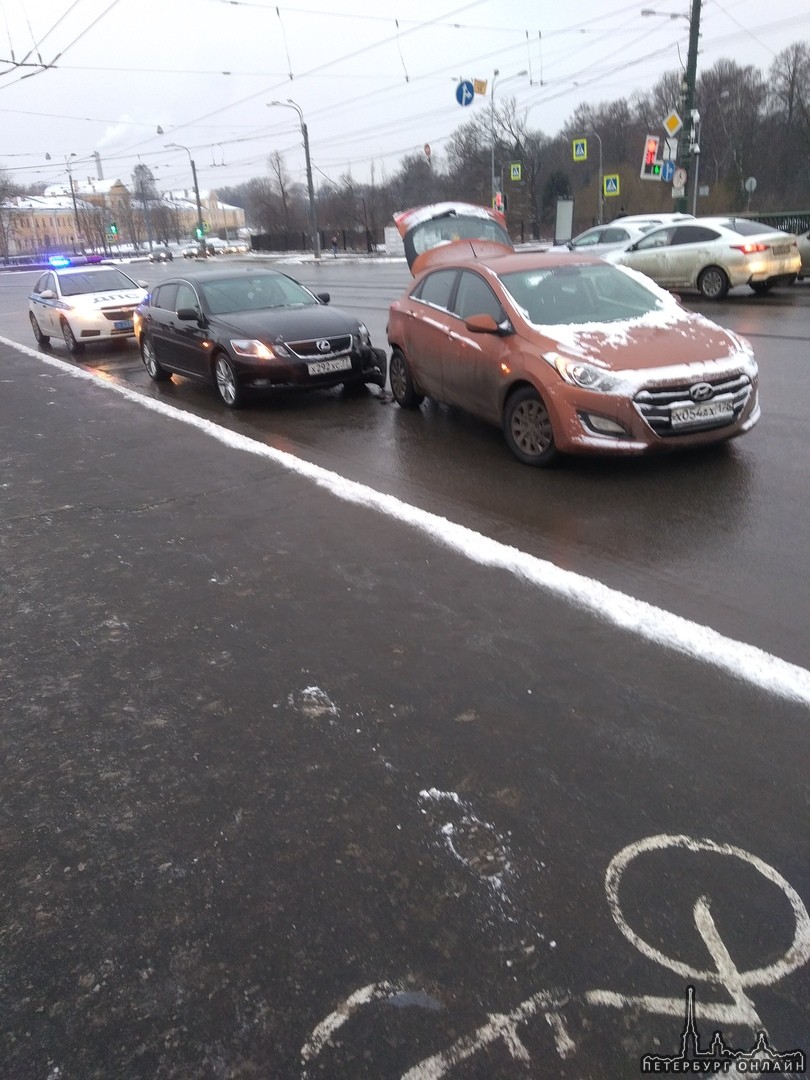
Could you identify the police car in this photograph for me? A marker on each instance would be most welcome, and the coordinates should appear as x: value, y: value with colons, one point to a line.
x: 82, y: 302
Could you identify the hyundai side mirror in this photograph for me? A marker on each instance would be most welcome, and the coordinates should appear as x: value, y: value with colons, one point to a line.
x: 485, y: 324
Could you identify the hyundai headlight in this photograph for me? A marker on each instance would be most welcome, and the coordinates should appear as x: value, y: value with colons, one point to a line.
x: 579, y: 373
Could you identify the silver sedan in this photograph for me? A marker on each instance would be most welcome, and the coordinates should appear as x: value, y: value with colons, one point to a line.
x: 714, y: 254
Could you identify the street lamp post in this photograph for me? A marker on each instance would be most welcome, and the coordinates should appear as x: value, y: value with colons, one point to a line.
x: 313, y: 215
x: 77, y: 225
x: 200, y: 224
x: 75, y: 204
x: 600, y: 206
x: 493, y: 181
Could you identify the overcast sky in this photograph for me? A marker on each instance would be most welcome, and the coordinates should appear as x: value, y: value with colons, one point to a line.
x: 375, y: 80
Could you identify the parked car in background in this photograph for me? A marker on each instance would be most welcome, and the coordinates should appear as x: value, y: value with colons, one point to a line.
x: 160, y: 254
x: 565, y: 352
x: 244, y: 330
x: 647, y: 221
x: 192, y: 250
x: 603, y: 238
x: 714, y: 254
x: 83, y: 303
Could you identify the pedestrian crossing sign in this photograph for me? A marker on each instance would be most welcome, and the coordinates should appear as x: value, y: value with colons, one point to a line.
x: 580, y: 147
x: 611, y: 184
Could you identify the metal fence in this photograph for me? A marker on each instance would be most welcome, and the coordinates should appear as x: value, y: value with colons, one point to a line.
x: 355, y: 241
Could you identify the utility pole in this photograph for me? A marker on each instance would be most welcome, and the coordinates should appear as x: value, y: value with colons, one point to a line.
x: 685, y: 147
x: 312, y: 214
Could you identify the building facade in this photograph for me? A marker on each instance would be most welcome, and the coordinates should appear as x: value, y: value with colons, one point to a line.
x: 106, y: 216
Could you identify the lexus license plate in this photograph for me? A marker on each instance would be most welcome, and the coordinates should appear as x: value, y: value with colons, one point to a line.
x: 701, y: 413
x: 324, y: 367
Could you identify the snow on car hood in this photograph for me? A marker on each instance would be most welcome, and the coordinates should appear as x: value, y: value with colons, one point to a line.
x: 674, y: 345
x: 674, y: 342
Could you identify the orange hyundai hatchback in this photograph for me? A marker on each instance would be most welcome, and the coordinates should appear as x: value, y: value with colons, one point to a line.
x: 567, y: 353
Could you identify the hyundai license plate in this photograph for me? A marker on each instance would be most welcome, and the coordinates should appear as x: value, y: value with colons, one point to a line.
x: 122, y: 324
x: 323, y: 367
x: 701, y: 413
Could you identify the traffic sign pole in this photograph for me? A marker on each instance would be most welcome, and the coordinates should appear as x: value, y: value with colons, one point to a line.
x: 682, y: 203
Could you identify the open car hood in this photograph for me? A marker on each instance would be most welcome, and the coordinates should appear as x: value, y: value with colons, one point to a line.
x: 448, y: 231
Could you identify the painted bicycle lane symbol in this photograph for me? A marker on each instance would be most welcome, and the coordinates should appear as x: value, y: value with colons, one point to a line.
x: 504, y: 1027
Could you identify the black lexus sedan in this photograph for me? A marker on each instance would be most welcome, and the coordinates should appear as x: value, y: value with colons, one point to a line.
x: 245, y: 329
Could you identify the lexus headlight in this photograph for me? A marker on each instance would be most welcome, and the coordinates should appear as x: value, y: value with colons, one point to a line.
x: 578, y: 373
x: 257, y: 350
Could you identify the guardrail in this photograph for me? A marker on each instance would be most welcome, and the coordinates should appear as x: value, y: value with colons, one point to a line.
x: 793, y: 221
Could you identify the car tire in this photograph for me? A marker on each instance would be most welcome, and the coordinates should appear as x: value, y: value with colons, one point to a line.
x: 760, y: 288
x: 150, y: 361
x: 73, y: 346
x: 39, y: 337
x: 527, y: 428
x: 402, y: 385
x: 228, y: 388
x: 713, y: 283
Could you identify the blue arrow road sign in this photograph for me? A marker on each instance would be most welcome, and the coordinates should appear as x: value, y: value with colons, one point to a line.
x: 667, y: 171
x: 465, y: 92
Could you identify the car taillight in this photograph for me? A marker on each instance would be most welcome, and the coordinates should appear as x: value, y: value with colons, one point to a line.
x: 749, y: 249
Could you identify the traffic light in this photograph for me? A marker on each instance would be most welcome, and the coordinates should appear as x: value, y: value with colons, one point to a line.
x: 199, y: 232
x: 113, y: 228
x: 650, y: 165
x: 499, y: 202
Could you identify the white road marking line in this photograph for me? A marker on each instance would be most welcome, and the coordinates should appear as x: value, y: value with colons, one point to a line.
x: 744, y: 662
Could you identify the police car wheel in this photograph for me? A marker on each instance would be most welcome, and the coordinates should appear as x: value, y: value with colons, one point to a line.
x: 73, y: 346
x: 39, y: 337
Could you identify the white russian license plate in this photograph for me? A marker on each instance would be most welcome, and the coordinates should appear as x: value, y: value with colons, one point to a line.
x: 324, y: 367
x: 122, y: 324
x: 782, y: 249
x: 701, y: 413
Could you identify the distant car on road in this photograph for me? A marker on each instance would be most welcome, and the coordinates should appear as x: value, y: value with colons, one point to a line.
x: 192, y: 250
x: 161, y: 254
x: 564, y: 352
x: 246, y: 330
x: 83, y: 303
x: 714, y: 254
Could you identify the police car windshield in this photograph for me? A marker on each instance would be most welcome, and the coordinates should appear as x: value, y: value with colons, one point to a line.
x: 94, y: 281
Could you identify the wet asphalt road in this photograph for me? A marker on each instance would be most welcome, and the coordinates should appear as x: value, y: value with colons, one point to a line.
x: 293, y: 788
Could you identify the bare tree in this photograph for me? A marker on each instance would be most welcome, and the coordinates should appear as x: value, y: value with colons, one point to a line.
x: 280, y: 184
